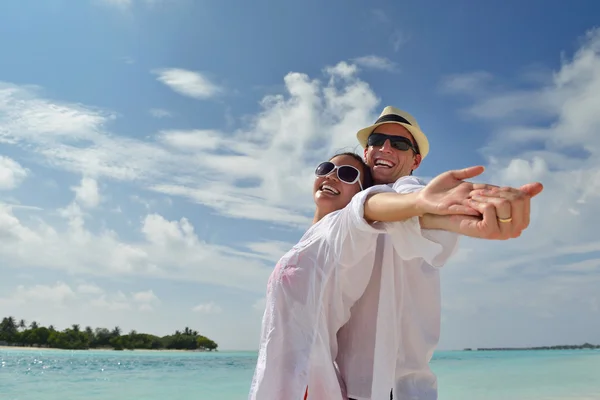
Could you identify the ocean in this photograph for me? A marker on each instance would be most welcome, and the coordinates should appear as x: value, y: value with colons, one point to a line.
x: 154, y: 375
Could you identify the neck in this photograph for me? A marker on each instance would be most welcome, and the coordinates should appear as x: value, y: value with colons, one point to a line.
x: 319, y: 214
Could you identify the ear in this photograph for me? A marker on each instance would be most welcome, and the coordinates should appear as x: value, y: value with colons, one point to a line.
x: 365, y: 153
x: 416, y: 161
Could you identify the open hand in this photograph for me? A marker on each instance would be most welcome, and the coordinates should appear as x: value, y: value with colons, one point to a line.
x: 448, y: 193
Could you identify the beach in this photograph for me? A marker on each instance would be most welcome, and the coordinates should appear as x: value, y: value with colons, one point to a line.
x: 38, y: 349
x: 51, y: 374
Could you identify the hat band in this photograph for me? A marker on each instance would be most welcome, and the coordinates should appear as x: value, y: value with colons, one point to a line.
x: 392, y: 118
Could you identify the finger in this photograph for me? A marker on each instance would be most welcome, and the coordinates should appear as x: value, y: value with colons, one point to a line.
x: 484, y: 186
x: 526, y: 211
x: 520, y: 211
x: 464, y: 210
x: 467, y: 173
x: 488, y: 226
x: 519, y: 221
x: 502, y: 205
x: 532, y: 189
x: 503, y: 208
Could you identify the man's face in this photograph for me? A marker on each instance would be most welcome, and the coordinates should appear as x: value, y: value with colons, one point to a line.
x: 387, y: 163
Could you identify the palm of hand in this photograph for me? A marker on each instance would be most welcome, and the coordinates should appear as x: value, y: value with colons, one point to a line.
x: 446, y: 195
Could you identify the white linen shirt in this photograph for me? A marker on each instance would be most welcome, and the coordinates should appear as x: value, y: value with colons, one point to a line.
x: 308, y: 299
x: 395, y: 326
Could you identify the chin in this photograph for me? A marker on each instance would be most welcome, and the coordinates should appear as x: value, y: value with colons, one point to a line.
x: 327, y: 203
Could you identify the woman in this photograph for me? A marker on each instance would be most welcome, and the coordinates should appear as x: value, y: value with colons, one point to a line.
x: 311, y: 289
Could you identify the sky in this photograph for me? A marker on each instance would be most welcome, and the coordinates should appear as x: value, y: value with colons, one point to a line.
x: 156, y: 156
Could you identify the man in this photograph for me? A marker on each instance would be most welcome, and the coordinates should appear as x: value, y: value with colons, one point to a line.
x: 395, y: 326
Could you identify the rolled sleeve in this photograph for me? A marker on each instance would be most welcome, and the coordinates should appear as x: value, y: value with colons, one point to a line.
x: 349, y: 235
x: 355, y: 211
x: 411, y: 241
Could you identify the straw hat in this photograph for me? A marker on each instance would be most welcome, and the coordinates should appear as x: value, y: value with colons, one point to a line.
x: 392, y: 115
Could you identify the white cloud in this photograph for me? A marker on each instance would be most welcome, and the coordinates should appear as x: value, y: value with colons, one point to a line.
x: 546, y: 133
x: 86, y: 288
x: 146, y: 300
x: 398, y: 39
x: 87, y: 193
x: 271, y: 251
x: 261, y: 171
x: 191, y: 141
x: 114, y: 301
x: 147, y: 296
x: 469, y: 83
x: 127, y: 4
x: 170, y: 250
x: 160, y: 113
x: 376, y: 62
x: 11, y: 173
x: 188, y: 83
x: 208, y: 308
x: 62, y: 294
x: 118, y: 3
x: 57, y: 294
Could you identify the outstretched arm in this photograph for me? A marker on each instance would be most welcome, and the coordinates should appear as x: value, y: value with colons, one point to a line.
x: 507, y: 209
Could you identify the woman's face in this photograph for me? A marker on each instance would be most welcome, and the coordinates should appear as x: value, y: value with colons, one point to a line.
x: 330, y: 193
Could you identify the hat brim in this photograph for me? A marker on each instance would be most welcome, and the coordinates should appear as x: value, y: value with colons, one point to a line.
x: 417, y: 134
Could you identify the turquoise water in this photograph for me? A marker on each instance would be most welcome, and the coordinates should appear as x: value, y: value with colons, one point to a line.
x: 94, y: 375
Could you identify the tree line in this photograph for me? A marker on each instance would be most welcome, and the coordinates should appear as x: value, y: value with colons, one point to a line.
x: 74, y: 338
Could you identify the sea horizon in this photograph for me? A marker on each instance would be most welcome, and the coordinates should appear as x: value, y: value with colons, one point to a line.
x: 47, y: 374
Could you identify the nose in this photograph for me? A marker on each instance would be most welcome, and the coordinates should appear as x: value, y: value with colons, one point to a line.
x: 387, y: 146
x: 332, y: 175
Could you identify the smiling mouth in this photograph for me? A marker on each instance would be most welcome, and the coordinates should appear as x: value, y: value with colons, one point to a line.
x: 384, y: 163
x: 329, y: 189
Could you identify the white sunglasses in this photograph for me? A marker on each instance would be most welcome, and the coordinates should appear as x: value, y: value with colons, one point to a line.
x: 345, y: 173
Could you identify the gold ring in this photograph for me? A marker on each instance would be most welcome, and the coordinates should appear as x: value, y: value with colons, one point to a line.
x: 505, y: 219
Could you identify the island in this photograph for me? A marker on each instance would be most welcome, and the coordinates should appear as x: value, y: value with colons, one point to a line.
x: 13, y: 333
x: 585, y: 346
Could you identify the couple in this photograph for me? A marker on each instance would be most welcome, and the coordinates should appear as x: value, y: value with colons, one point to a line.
x: 353, y: 309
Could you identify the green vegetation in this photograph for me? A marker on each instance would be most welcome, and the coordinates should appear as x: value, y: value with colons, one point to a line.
x: 18, y: 334
x: 585, y: 346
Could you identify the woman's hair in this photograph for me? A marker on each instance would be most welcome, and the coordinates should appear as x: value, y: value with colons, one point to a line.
x: 367, y: 178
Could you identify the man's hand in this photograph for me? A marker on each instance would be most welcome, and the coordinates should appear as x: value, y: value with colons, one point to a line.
x: 505, y: 210
x: 476, y: 209
x: 495, y: 205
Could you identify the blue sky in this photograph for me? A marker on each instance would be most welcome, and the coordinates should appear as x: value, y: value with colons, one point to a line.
x: 156, y: 155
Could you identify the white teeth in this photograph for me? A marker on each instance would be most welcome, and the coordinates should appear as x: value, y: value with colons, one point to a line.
x: 384, y: 163
x: 330, y: 189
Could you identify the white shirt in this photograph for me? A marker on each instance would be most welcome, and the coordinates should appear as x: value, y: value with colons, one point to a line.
x: 309, y: 296
x: 395, y: 326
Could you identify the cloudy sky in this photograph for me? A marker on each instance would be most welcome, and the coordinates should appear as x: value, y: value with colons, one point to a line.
x: 156, y: 155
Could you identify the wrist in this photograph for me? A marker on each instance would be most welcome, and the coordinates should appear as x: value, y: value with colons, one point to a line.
x: 439, y: 222
x: 419, y: 205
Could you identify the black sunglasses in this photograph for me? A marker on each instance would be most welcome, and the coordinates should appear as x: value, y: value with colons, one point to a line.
x: 345, y: 173
x: 397, y: 142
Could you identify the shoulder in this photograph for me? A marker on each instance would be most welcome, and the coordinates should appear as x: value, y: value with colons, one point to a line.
x: 407, y: 184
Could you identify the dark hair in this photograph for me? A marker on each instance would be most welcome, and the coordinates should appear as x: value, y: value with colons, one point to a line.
x: 367, y: 177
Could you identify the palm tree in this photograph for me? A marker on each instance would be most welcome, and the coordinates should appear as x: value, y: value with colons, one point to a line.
x: 116, y: 332
x: 33, y: 325
x: 22, y: 324
x: 75, y: 328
